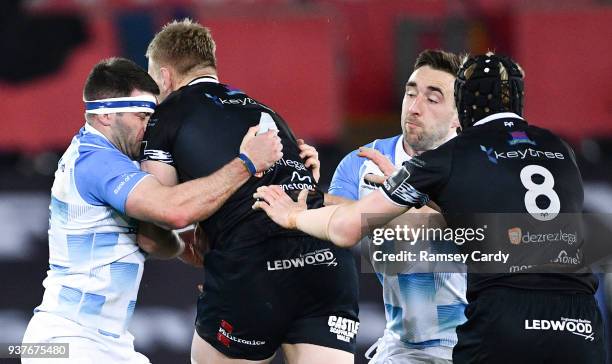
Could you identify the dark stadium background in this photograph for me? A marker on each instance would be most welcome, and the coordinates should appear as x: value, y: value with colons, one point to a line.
x: 334, y: 69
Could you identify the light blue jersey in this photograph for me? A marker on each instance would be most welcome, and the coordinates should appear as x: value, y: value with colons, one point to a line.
x: 95, y: 265
x: 422, y: 309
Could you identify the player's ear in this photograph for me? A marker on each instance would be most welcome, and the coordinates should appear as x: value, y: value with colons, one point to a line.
x: 166, y: 78
x: 105, y: 119
x: 455, y: 123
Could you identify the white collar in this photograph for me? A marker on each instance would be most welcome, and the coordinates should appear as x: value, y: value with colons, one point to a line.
x: 499, y: 115
x: 91, y: 129
x: 400, y: 153
x: 206, y: 78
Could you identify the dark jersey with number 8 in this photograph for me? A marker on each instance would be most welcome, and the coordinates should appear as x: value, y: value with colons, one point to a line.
x: 523, y: 178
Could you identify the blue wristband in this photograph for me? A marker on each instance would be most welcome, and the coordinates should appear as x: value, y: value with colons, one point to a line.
x: 247, y: 163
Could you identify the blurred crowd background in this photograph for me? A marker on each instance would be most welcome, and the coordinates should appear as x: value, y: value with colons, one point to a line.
x: 335, y: 70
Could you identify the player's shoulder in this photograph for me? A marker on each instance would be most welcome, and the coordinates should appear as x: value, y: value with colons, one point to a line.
x: 95, y: 150
x: 447, y: 147
x: 174, y: 108
x: 91, y: 142
x: 175, y: 102
x: 539, y: 131
x: 98, y: 159
x: 534, y: 135
x: 384, y: 146
x: 387, y: 145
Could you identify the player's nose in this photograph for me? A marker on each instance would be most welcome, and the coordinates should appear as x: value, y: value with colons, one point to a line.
x: 414, y: 107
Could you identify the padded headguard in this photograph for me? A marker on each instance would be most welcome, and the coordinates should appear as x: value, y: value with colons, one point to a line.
x: 488, y: 84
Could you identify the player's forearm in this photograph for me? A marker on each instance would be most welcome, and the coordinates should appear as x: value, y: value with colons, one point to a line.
x: 181, y: 205
x: 340, y: 224
x: 419, y: 217
x: 345, y: 224
x: 315, y: 222
x: 334, y: 200
x: 158, y: 242
x: 353, y: 220
x: 198, y: 199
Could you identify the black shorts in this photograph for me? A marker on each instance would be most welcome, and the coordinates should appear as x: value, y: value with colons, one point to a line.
x: 507, y: 325
x: 290, y: 290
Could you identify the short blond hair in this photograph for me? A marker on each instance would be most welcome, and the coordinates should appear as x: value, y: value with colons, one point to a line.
x: 185, y: 45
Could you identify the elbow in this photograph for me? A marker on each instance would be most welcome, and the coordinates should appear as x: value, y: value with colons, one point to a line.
x: 343, y: 233
x: 180, y: 214
x: 177, y: 219
x: 179, y: 222
x: 346, y: 240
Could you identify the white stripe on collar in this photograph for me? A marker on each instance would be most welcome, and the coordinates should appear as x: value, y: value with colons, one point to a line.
x: 207, y: 78
x: 400, y: 153
x: 93, y: 130
x: 499, y: 115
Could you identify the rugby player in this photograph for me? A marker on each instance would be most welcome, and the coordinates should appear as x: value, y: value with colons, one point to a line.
x: 498, y: 164
x: 265, y: 286
x: 420, y: 322
x: 95, y: 262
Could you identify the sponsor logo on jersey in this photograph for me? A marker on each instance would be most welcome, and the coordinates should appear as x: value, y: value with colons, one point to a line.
x: 578, y: 327
x: 344, y: 329
x: 516, y: 237
x: 297, y: 165
x: 514, y: 234
x: 489, y: 152
x: 529, y: 153
x: 565, y: 258
x: 298, y: 181
x: 243, y: 101
x: 214, y: 99
x: 297, y: 176
x: 318, y: 257
x: 224, y: 336
x: 125, y: 180
x: 297, y: 187
x: 520, y: 137
x: 519, y: 268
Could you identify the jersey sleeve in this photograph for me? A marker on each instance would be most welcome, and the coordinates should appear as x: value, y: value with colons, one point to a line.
x: 345, y: 182
x: 422, y: 178
x: 106, y: 177
x: 159, y: 136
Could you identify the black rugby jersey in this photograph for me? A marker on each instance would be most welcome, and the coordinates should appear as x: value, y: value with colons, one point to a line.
x: 500, y: 169
x: 198, y: 129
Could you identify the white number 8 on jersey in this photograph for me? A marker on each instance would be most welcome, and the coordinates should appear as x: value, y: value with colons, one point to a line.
x: 534, y: 190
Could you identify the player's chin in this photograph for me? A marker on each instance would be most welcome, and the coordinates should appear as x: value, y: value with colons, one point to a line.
x: 412, y: 137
